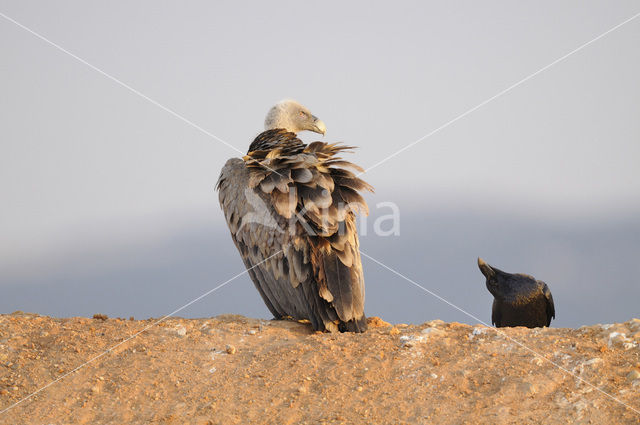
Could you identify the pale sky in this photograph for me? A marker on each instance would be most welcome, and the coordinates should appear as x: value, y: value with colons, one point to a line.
x: 85, y: 162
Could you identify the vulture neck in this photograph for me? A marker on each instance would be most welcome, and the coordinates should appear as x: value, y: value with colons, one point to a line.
x: 276, y: 137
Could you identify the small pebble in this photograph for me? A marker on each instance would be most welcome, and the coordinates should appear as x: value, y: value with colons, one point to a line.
x: 181, y: 331
x: 592, y: 362
x: 537, y: 361
x: 633, y: 375
x: 528, y: 388
x: 376, y: 322
x: 95, y: 389
x: 617, y: 339
x: 433, y: 331
x: 230, y: 349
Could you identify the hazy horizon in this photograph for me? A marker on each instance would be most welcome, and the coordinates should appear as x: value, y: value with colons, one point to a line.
x: 589, y: 268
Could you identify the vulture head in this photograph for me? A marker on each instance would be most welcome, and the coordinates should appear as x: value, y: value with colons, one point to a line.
x: 292, y: 116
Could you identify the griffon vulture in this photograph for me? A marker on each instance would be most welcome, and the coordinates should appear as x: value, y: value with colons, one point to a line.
x: 291, y: 208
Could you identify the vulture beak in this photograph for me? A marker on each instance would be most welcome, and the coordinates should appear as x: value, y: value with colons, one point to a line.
x: 486, y: 269
x: 318, y: 126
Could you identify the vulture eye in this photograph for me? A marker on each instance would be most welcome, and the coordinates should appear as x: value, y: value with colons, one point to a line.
x: 303, y: 114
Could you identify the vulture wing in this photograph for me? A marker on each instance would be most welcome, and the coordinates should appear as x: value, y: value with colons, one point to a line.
x: 290, y: 208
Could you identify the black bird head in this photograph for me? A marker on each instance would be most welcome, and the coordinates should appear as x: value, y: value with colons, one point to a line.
x: 507, y: 286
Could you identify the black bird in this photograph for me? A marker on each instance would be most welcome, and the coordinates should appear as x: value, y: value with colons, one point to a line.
x: 519, y: 299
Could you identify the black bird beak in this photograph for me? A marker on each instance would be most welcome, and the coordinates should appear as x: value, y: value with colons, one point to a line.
x: 486, y: 269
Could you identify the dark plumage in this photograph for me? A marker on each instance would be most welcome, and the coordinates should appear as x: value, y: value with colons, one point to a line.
x: 290, y: 208
x: 519, y: 299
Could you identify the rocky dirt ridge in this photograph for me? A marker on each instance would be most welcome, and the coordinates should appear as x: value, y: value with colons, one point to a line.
x: 235, y: 370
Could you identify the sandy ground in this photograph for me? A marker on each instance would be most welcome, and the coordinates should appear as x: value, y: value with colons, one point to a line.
x: 235, y: 370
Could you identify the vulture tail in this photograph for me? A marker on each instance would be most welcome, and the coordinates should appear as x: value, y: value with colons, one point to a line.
x: 344, y: 284
x: 355, y: 325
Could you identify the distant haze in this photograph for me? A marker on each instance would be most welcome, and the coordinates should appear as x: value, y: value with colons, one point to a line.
x: 592, y: 270
x: 108, y: 201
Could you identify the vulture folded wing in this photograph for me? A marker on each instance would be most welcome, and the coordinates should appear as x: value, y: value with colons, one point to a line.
x: 291, y: 214
x: 257, y: 235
